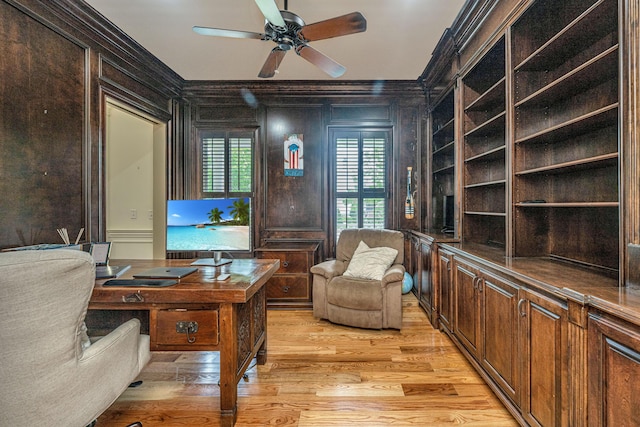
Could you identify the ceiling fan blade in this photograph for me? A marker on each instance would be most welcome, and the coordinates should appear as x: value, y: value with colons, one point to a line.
x: 272, y: 63
x: 270, y: 11
x: 206, y: 31
x: 350, y: 23
x: 321, y: 61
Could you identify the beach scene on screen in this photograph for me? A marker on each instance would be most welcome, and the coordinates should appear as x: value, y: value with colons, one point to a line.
x: 209, y: 224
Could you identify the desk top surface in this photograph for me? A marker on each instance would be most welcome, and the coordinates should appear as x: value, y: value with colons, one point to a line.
x: 247, y: 276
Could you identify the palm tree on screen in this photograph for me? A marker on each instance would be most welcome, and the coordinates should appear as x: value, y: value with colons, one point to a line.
x: 215, y: 215
x: 240, y: 211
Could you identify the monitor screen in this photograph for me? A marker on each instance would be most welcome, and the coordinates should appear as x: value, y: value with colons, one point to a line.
x: 209, y: 225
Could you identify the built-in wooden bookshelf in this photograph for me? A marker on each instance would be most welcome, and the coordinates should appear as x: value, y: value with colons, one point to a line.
x: 566, y: 162
x: 484, y: 148
x: 443, y: 158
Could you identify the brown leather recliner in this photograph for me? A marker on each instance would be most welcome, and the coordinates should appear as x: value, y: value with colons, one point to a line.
x: 354, y: 301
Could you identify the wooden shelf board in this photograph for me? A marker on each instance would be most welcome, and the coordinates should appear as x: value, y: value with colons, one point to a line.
x: 494, y: 153
x: 488, y: 125
x: 491, y: 96
x: 573, y: 127
x: 446, y: 169
x: 591, y: 162
x: 568, y: 205
x: 444, y: 127
x: 561, y: 45
x: 486, y: 184
x: 480, y: 213
x: 447, y: 147
x: 598, y: 69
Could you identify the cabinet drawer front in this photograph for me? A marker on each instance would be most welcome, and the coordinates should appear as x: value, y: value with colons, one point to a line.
x: 290, y: 262
x: 292, y: 287
x: 207, y: 321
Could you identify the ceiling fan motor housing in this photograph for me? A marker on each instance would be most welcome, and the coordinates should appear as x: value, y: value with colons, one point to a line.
x: 286, y: 38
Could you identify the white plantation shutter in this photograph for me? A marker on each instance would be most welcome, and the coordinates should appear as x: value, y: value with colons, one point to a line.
x: 361, y: 160
x: 240, y: 162
x: 227, y: 164
x: 213, y: 171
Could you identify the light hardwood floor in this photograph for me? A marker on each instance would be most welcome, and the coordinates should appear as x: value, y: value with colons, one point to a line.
x: 321, y: 374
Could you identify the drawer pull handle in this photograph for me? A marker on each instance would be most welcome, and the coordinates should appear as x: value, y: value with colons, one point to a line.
x: 188, y: 328
x: 285, y: 289
x: 285, y: 264
x: 132, y: 298
x: 523, y: 313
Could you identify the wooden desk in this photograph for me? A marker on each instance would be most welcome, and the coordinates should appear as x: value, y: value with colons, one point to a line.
x: 232, y: 314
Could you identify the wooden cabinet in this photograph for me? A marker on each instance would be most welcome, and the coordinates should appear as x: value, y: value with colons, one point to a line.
x: 423, y: 274
x: 445, y: 289
x: 485, y: 310
x: 543, y: 332
x: 291, y: 285
x: 614, y: 372
x: 518, y: 340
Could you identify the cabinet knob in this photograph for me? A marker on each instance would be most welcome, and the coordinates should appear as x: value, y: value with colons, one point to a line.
x: 285, y: 289
x: 285, y: 263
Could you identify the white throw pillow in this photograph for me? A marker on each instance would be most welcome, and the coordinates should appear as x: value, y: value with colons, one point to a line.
x: 370, y: 263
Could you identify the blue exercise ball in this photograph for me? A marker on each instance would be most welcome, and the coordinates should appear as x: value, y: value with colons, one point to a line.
x: 407, y: 283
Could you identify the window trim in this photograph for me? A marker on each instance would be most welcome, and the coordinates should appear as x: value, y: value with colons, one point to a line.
x: 362, y: 132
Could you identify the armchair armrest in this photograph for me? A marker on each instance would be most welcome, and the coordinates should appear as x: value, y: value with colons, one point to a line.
x: 395, y: 273
x: 329, y: 269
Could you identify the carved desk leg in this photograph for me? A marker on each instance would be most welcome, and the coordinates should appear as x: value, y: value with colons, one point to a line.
x: 228, y: 364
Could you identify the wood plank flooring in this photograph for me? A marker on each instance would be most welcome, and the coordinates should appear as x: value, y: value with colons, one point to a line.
x: 321, y: 374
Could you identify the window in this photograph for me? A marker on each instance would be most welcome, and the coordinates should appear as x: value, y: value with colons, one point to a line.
x: 226, y: 172
x: 360, y: 187
x: 227, y: 164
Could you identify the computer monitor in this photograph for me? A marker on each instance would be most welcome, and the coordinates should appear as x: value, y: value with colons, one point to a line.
x: 209, y: 225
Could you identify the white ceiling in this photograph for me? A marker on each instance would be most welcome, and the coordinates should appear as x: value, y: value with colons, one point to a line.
x: 400, y: 36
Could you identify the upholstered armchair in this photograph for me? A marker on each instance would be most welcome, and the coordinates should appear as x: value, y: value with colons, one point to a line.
x: 362, y: 286
x: 50, y: 372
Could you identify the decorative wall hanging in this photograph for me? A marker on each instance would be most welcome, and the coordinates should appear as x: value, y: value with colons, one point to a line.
x: 293, y: 155
x: 409, y: 204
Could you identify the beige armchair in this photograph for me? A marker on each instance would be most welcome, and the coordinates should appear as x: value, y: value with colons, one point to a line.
x: 50, y: 374
x: 354, y: 300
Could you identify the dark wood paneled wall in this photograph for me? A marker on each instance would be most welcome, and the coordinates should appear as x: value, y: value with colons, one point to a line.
x: 292, y: 208
x: 59, y: 61
x: 62, y: 60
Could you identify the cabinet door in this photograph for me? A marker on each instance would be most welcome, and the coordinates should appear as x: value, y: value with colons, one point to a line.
x: 426, y: 283
x: 416, y: 265
x: 499, y: 302
x: 614, y: 373
x: 446, y: 290
x: 466, y: 307
x: 543, y: 323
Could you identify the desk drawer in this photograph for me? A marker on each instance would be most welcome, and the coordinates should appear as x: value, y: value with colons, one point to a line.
x: 288, y: 287
x: 290, y: 262
x: 207, y: 321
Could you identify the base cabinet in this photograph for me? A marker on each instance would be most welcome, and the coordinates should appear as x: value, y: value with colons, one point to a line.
x: 485, y: 310
x: 543, y: 330
x: 445, y: 289
x: 613, y: 367
x: 516, y: 338
x: 424, y: 276
x: 290, y: 286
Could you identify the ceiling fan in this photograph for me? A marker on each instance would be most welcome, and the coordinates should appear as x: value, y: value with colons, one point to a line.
x: 290, y: 32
